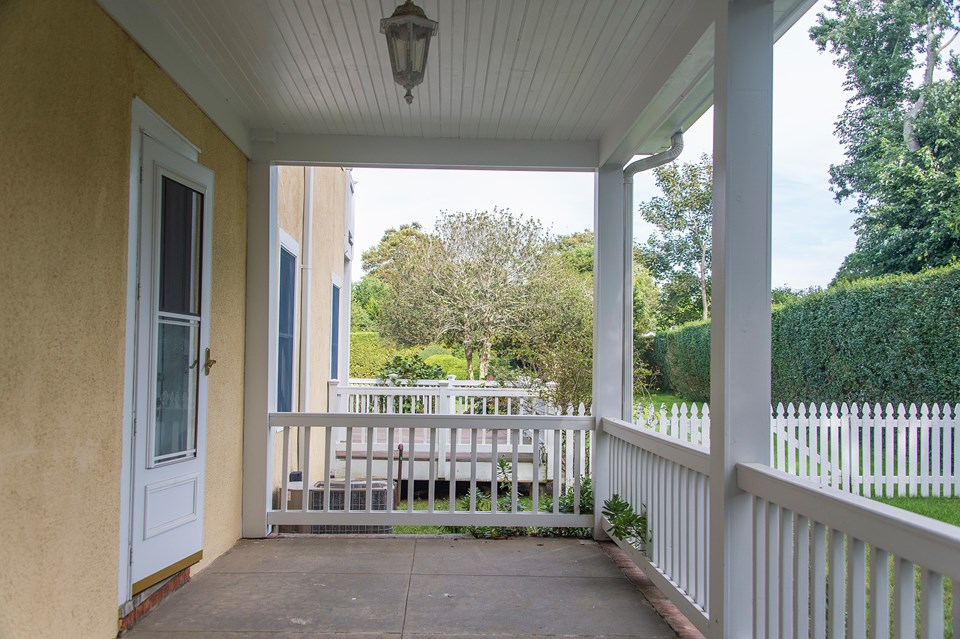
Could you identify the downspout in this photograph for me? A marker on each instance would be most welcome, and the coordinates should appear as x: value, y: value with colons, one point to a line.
x: 306, y: 288
x: 643, y: 164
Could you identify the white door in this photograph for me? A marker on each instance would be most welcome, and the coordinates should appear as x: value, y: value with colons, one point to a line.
x: 172, y: 364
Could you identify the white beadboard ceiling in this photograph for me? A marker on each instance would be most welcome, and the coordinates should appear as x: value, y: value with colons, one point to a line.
x: 573, y: 83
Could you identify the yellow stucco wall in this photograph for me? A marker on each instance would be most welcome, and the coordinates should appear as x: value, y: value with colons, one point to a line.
x: 68, y: 75
x: 329, y: 201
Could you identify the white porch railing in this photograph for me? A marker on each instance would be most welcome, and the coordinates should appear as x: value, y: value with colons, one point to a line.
x: 817, y: 551
x: 866, y: 450
x: 361, y: 472
x: 831, y: 564
x: 452, y: 397
x: 668, y: 481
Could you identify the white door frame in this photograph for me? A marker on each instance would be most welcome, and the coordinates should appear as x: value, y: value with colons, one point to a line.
x: 144, y: 121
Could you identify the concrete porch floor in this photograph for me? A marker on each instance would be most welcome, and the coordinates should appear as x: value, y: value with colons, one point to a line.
x: 407, y: 588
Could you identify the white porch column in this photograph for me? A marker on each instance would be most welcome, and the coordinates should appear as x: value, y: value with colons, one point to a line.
x: 260, y: 361
x: 612, y: 335
x: 740, y: 348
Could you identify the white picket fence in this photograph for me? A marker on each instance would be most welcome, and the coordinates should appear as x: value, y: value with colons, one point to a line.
x: 870, y: 450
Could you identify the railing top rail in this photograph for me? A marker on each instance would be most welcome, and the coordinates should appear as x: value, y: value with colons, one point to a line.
x: 390, y: 391
x: 433, y: 383
x: 670, y: 448
x: 928, y: 542
x: 403, y: 391
x: 488, y: 422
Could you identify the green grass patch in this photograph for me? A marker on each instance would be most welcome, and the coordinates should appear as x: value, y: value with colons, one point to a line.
x: 946, y: 509
x: 661, y: 398
x: 524, y: 504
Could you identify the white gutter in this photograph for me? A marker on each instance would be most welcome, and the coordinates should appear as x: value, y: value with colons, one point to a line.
x: 306, y: 264
x: 643, y: 164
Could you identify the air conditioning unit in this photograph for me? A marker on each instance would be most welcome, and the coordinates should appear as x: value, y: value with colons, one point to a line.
x: 358, y: 501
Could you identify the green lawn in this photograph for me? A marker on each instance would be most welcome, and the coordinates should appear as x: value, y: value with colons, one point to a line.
x: 658, y: 399
x: 442, y: 505
x: 946, y: 509
x: 943, y: 508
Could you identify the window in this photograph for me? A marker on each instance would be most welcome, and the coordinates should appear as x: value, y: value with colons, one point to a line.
x: 288, y: 283
x: 335, y: 333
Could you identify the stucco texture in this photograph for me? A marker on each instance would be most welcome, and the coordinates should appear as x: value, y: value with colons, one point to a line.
x: 69, y: 74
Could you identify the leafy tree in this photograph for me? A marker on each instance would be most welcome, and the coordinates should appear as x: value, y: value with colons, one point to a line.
x: 576, y: 251
x: 554, y: 340
x: 381, y: 261
x: 901, y: 130
x: 360, y: 321
x: 463, y: 284
x: 679, y: 253
x: 366, y: 302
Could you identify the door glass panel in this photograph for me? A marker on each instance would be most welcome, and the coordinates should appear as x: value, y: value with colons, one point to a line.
x: 178, y: 365
x: 181, y: 221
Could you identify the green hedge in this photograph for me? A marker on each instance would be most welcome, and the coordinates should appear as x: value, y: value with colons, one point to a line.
x: 450, y: 364
x: 889, y: 339
x: 368, y: 354
x: 681, y: 359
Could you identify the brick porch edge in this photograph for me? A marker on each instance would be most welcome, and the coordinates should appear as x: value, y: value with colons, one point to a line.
x: 680, y: 624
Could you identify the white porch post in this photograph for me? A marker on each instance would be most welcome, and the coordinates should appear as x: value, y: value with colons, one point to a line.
x: 260, y: 361
x: 612, y: 365
x: 740, y: 349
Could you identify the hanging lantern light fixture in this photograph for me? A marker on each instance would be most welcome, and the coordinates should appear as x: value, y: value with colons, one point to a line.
x: 408, y: 33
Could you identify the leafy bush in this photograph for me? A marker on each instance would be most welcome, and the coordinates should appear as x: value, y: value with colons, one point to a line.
x: 449, y: 364
x: 368, y: 354
x: 484, y: 503
x: 889, y: 339
x: 566, y: 503
x: 433, y: 349
x: 625, y: 524
x: 410, y: 368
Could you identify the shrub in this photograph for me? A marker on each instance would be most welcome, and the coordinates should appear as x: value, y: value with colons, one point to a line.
x: 368, y: 354
x: 433, y: 349
x: 410, y: 368
x: 888, y: 339
x: 683, y: 359
x: 449, y: 364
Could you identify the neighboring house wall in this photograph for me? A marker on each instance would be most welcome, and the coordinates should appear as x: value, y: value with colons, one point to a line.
x: 330, y: 215
x: 330, y: 185
x: 69, y: 74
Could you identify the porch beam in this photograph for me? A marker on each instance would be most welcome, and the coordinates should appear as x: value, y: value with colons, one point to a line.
x: 425, y: 153
x: 260, y: 359
x: 740, y: 333
x: 612, y: 334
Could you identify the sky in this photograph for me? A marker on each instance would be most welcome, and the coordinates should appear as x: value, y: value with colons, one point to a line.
x: 811, y: 232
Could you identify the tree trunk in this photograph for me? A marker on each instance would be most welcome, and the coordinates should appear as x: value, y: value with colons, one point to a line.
x: 933, y: 52
x: 468, y: 353
x: 485, y: 358
x: 703, y: 282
